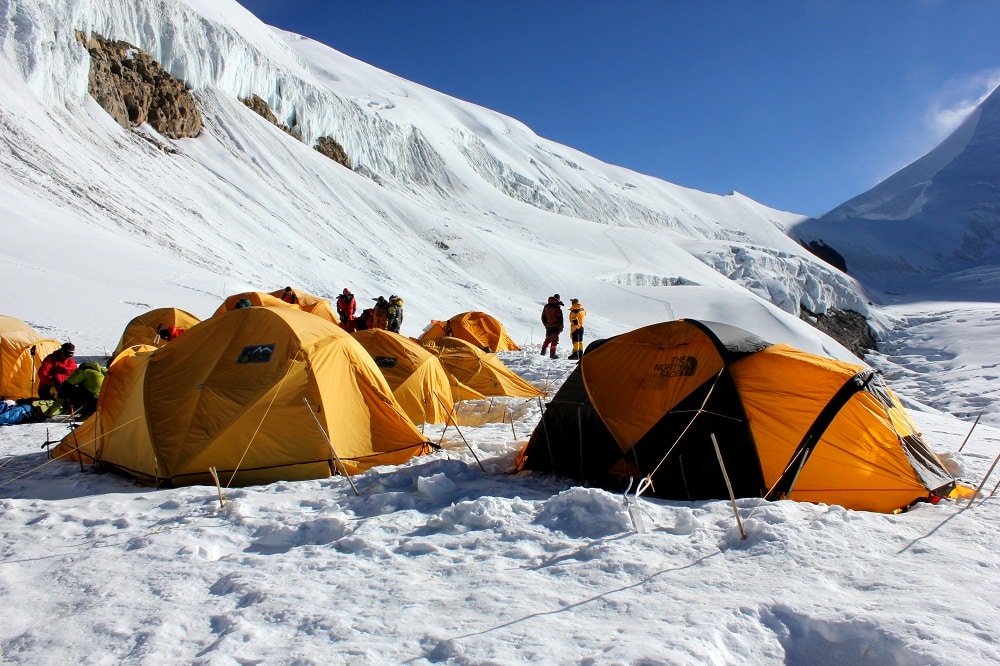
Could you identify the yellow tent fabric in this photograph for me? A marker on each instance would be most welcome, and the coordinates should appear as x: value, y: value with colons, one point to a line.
x: 317, y: 305
x: 118, y: 418
x: 789, y: 424
x: 230, y: 393
x: 482, y: 372
x: 143, y: 330
x: 307, y: 303
x: 482, y: 330
x: 22, y: 350
x: 417, y: 379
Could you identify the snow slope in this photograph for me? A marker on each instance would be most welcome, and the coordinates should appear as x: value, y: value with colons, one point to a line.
x: 451, y: 205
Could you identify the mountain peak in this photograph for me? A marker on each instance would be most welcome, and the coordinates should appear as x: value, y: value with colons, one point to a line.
x: 937, y: 215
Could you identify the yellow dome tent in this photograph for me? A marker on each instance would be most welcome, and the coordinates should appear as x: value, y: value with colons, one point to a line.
x: 22, y: 350
x: 789, y: 424
x: 307, y: 303
x: 482, y: 372
x: 230, y: 393
x: 321, y: 307
x: 144, y: 329
x: 417, y: 378
x: 482, y: 330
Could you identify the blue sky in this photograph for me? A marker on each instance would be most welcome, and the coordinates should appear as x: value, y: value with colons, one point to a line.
x: 799, y: 104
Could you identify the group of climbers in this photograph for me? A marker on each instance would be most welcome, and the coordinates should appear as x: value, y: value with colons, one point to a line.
x: 386, y: 314
x: 63, y: 387
x: 552, y: 320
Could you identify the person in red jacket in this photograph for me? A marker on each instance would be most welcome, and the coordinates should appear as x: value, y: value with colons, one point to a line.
x: 552, y: 320
x: 54, y: 370
x: 169, y: 332
x: 346, y: 307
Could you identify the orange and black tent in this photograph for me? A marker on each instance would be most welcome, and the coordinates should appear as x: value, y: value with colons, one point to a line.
x: 789, y: 424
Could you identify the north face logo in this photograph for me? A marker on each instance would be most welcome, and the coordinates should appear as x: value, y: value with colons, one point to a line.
x: 680, y: 366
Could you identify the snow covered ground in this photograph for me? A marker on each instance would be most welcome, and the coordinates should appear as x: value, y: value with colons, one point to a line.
x: 438, y: 561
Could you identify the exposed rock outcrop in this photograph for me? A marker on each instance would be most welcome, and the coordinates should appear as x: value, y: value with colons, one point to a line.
x: 328, y: 146
x: 257, y: 104
x: 826, y: 253
x: 847, y: 327
x: 131, y: 86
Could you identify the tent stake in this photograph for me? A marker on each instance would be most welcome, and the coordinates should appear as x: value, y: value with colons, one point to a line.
x: 975, y: 423
x: 469, y: 446
x: 330, y: 444
x: 218, y: 486
x: 983, y: 482
x: 732, y: 497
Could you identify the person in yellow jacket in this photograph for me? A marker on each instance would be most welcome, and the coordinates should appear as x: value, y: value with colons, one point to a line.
x: 577, y: 313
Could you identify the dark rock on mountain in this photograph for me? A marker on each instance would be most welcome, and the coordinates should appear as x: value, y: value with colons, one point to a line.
x: 329, y: 146
x: 827, y: 254
x: 135, y: 89
x: 325, y: 145
x: 847, y: 327
x: 259, y: 106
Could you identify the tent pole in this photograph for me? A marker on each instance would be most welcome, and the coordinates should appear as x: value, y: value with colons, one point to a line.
x: 78, y: 454
x: 971, y: 429
x: 579, y: 433
x: 471, y: 450
x: 983, y: 482
x: 32, y: 353
x: 330, y: 444
x: 545, y: 431
x: 732, y: 497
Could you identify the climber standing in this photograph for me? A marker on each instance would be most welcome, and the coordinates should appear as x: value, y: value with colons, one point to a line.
x: 395, y: 313
x: 577, y: 313
x: 552, y: 320
x: 346, y: 307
